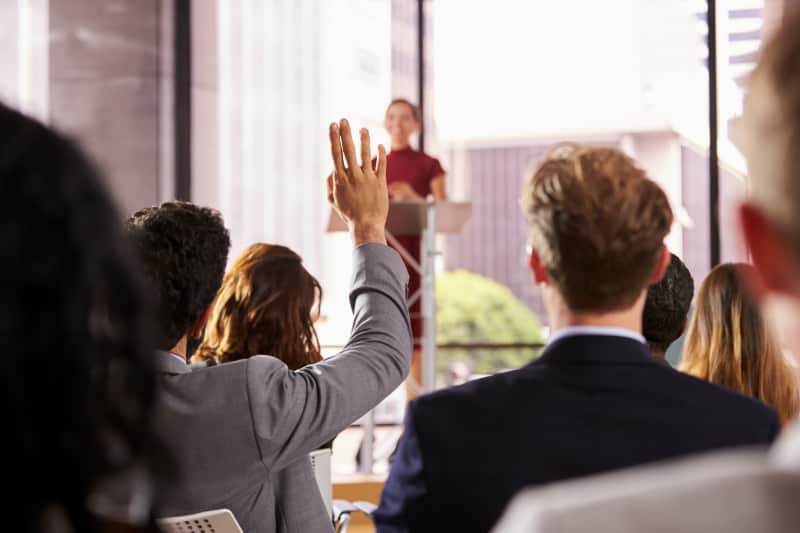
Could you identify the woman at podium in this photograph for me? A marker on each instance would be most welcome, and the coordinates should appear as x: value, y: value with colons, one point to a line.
x: 411, y: 175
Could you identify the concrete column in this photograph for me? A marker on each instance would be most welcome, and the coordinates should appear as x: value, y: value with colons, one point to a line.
x: 205, y: 104
x: 23, y: 56
x: 107, y: 74
x: 659, y: 153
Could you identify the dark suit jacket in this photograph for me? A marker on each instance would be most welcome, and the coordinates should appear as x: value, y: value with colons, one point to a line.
x: 589, y: 404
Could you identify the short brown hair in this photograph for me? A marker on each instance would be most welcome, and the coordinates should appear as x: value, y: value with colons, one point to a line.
x: 730, y: 344
x: 264, y: 306
x: 414, y: 109
x: 598, y: 225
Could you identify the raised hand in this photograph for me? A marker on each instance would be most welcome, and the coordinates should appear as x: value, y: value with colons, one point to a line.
x: 357, y: 192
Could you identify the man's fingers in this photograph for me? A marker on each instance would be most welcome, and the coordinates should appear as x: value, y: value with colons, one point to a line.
x: 336, y: 149
x: 366, y: 156
x: 381, y: 170
x: 348, y: 147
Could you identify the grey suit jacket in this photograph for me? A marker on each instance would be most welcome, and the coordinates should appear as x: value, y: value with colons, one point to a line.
x: 734, y: 491
x: 242, y: 431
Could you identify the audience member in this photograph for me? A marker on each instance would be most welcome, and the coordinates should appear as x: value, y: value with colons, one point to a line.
x: 266, y: 305
x: 184, y: 249
x: 728, y: 343
x: 667, y: 308
x: 78, y: 379
x: 734, y: 491
x: 595, y: 400
x: 238, y: 425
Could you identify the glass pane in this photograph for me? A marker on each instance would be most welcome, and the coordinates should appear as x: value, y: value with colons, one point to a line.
x: 626, y: 73
x: 741, y: 27
x: 287, y: 69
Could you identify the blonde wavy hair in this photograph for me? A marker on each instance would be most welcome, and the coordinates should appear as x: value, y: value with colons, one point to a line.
x: 266, y: 305
x: 730, y: 344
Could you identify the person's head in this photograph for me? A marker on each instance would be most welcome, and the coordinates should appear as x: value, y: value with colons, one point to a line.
x: 768, y: 135
x: 667, y: 306
x: 729, y: 343
x: 596, y: 227
x: 184, y: 248
x: 77, y: 371
x: 402, y: 120
x: 266, y: 305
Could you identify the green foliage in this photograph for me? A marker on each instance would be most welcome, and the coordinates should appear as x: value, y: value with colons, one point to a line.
x: 471, y: 308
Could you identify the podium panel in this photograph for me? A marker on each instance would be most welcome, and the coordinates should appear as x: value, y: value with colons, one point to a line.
x: 411, y: 217
x: 426, y: 220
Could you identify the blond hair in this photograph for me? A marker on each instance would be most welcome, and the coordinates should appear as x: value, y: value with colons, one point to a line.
x: 730, y: 344
x: 598, y: 225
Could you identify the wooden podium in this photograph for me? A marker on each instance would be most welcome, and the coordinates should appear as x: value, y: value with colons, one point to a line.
x: 426, y: 219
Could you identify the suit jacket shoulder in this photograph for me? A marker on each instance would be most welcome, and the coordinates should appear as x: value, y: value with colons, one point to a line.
x: 588, y: 405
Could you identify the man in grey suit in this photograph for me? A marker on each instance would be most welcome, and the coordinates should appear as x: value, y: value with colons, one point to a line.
x: 239, y: 427
x: 749, y: 491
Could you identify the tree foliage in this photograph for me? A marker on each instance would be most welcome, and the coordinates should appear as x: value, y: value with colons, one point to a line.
x: 472, y: 308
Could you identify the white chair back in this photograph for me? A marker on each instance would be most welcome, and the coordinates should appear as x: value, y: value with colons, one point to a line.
x: 216, y: 521
x: 321, y: 465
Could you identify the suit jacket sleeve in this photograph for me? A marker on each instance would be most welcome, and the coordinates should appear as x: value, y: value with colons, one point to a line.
x: 296, y: 412
x: 403, y: 499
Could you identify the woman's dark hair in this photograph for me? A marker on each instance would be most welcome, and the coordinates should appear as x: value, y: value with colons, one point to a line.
x: 265, y: 306
x: 77, y: 374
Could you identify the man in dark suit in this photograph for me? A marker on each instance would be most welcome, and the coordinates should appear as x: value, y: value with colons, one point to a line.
x: 595, y: 400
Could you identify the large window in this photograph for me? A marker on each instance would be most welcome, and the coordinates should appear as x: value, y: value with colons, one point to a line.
x: 502, y: 80
x: 511, y: 78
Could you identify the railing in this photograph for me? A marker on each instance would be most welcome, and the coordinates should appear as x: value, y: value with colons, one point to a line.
x: 467, y: 345
x: 368, y: 422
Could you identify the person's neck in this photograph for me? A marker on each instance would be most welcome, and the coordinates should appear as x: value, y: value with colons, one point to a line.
x: 180, y: 348
x: 657, y: 354
x: 400, y: 145
x: 623, y: 320
x: 561, y: 316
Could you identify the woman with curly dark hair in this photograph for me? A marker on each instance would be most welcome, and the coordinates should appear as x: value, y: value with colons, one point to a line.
x: 266, y: 305
x: 77, y: 375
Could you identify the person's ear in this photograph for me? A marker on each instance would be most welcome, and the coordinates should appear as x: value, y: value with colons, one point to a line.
x: 661, y: 266
x: 776, y: 267
x: 199, y: 325
x: 539, y: 271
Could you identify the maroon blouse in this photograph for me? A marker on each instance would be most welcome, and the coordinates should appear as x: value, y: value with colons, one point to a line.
x: 417, y: 169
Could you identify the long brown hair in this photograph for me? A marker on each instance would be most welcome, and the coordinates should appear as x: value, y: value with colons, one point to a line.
x: 730, y: 344
x: 265, y: 306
